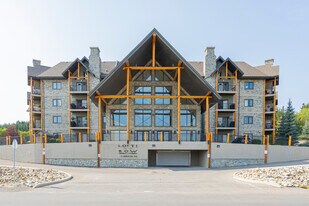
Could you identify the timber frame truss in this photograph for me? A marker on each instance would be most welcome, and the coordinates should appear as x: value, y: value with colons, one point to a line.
x: 127, y: 68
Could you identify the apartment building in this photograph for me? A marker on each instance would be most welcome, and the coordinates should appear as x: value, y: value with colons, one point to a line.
x: 153, y: 94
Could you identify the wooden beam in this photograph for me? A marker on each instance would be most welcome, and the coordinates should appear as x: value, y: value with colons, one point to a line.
x: 88, y: 103
x: 274, y: 115
x: 235, y: 103
x: 151, y: 68
x: 31, y: 103
x: 78, y: 69
x: 154, y: 36
x: 69, y: 101
x: 105, y: 102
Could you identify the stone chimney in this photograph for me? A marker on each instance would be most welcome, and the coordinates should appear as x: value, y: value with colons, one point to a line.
x: 210, y: 64
x: 269, y: 62
x: 36, y: 62
x: 95, y: 61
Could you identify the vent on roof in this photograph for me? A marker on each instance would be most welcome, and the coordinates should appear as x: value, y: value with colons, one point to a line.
x: 36, y: 62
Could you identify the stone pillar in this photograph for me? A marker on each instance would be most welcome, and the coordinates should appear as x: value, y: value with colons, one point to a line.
x: 209, y: 68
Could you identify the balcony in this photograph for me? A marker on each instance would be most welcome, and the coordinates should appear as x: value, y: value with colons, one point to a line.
x: 80, y: 88
x: 269, y: 109
x: 226, y: 107
x: 79, y: 105
x: 79, y: 122
x: 226, y: 124
x: 36, y: 108
x: 36, y: 91
x: 227, y: 88
x: 269, y: 126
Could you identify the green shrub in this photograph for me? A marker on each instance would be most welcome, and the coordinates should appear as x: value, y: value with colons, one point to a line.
x: 256, y: 141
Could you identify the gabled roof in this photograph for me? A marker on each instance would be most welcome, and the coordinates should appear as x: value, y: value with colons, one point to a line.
x: 231, y: 65
x: 55, y: 72
x: 35, y: 71
x: 166, y: 55
x: 264, y: 71
x: 74, y: 66
x: 219, y: 61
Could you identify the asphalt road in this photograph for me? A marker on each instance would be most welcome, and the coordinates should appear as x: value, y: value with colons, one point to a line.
x: 154, y: 186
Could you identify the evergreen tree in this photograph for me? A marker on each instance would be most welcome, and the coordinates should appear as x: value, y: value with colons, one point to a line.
x: 288, y: 124
x: 282, y: 127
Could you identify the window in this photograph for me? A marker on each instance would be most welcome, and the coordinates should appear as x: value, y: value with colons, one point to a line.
x: 144, y: 76
x: 188, y: 118
x: 163, y: 91
x: 163, y: 136
x: 56, y: 102
x: 121, y: 100
x: 143, y: 91
x: 163, y: 118
x: 81, y: 121
x: 142, y: 118
x: 119, y: 118
x: 118, y: 135
x: 57, y: 119
x: 56, y: 85
x: 248, y: 120
x: 141, y: 135
x: 161, y: 76
x: 248, y: 102
x: 188, y: 136
x: 249, y: 85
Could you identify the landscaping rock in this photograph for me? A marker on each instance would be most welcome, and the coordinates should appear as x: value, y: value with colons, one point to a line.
x: 297, y: 176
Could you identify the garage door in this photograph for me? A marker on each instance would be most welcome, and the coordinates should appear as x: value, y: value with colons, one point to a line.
x: 173, y: 158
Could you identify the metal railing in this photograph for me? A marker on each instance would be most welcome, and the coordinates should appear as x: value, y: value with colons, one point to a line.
x: 226, y: 106
x: 226, y: 124
x: 227, y: 88
x: 79, y: 88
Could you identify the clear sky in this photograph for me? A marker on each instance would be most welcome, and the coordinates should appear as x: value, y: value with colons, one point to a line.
x: 58, y: 30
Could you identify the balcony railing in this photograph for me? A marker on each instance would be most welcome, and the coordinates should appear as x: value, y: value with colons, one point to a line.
x: 268, y: 126
x: 36, y: 108
x: 269, y: 108
x: 79, y: 88
x: 226, y: 88
x: 226, y: 106
x: 36, y: 91
x: 226, y: 124
x: 79, y: 124
x: 78, y: 106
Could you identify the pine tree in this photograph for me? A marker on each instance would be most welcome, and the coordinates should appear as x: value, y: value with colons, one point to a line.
x: 288, y: 124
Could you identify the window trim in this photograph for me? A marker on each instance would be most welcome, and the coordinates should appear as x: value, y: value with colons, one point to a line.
x: 55, y: 85
x: 248, y: 118
x: 58, y: 117
x: 249, y: 100
x: 249, y: 83
x: 170, y: 116
x: 57, y: 101
x: 111, y: 118
x: 190, y: 114
x: 163, y: 94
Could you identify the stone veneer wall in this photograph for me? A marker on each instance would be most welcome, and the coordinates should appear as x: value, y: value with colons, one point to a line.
x: 217, y: 163
x: 124, y: 163
x: 49, y: 110
x: 153, y: 107
x: 257, y: 94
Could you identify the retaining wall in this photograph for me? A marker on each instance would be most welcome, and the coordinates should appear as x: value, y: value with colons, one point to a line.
x: 31, y: 153
x: 278, y: 153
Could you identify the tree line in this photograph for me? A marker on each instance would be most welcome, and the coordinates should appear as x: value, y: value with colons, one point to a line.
x: 14, y: 129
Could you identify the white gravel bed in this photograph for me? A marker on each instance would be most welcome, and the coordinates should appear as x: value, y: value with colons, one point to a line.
x: 295, y: 176
x: 29, y: 177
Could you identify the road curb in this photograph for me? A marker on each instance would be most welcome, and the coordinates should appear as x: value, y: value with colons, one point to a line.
x: 256, y: 181
x: 54, y: 182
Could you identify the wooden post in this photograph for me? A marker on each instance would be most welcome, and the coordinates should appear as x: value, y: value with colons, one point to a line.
x: 43, y: 148
x: 266, y: 150
x: 80, y: 137
x: 290, y: 141
x: 98, y: 140
x: 45, y: 138
x: 145, y: 136
x: 246, y: 139
x: 206, y: 116
x: 210, y: 137
x: 128, y: 105
x: 6, y: 140
x: 263, y: 140
x: 62, y: 138
x: 209, y: 150
x: 34, y: 138
x: 178, y: 104
x: 41, y: 137
x: 21, y: 139
x: 161, y: 136
x: 268, y: 139
x: 228, y: 138
x: 274, y: 139
x: 100, y: 118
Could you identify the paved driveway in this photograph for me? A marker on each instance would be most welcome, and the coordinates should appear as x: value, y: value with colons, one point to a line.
x: 154, y: 186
